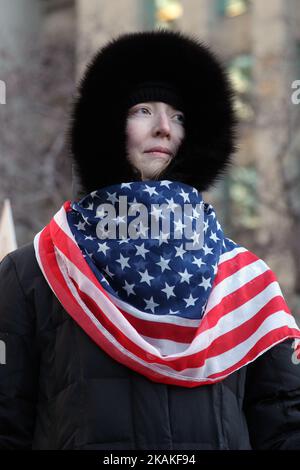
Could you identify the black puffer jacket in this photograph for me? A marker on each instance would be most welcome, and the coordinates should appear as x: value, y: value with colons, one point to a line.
x: 58, y: 390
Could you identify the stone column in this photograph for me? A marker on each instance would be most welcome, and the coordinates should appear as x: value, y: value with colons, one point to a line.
x: 196, y: 17
x: 273, y: 65
x: 100, y: 20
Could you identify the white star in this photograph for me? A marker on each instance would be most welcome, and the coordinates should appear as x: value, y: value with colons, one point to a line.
x: 134, y: 206
x: 126, y: 185
x: 80, y: 225
x: 180, y: 251
x: 150, y: 190
x: 94, y: 194
x: 195, y: 191
x: 141, y: 250
x: 218, y: 225
x: 145, y: 277
x: 196, y: 213
x: 164, y: 263
x: 185, y: 196
x: 129, y: 288
x: 166, y: 183
x: 86, y: 220
x: 171, y: 204
x: 123, y: 240
x: 123, y: 261
x: 185, y: 276
x: 214, y: 237
x: 172, y: 313
x: 190, y: 301
x: 207, y: 250
x: 89, y: 254
x: 88, y: 237
x: 103, y: 248
x: 205, y: 283
x: 120, y: 219
x: 205, y: 227
x: 112, y: 197
x: 90, y: 207
x: 106, y: 269
x: 212, y: 214
x: 198, y: 262
x: 157, y: 213
x: 150, y: 304
x: 179, y: 226
x: 162, y: 238
x: 224, y: 244
x: 169, y: 290
x: 215, y: 266
x: 195, y: 238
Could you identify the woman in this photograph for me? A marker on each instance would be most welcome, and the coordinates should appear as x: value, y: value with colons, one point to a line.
x: 125, y: 334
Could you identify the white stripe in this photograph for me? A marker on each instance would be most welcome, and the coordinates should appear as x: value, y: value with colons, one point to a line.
x: 235, y: 282
x: 170, y: 319
x: 231, y: 254
x: 167, y: 347
x: 61, y: 219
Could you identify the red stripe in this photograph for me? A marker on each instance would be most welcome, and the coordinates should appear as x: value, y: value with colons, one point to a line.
x: 231, y: 266
x: 162, y: 330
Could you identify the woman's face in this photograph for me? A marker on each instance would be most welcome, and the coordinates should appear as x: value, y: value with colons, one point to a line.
x: 154, y: 132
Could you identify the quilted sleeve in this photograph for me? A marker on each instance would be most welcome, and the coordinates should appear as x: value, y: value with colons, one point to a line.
x: 272, y: 398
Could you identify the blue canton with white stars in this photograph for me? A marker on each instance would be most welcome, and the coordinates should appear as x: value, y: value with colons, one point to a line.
x: 158, y: 275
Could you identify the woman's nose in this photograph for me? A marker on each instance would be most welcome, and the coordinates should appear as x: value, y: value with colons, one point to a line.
x: 162, y: 125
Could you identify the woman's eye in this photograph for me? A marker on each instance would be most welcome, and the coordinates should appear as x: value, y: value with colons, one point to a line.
x: 180, y: 118
x: 142, y: 110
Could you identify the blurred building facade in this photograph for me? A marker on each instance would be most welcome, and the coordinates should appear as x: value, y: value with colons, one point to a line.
x: 259, y: 42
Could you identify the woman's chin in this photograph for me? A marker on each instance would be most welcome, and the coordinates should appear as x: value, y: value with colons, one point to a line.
x: 153, y: 173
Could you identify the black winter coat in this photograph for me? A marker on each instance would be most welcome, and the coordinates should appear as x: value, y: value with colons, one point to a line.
x: 58, y: 390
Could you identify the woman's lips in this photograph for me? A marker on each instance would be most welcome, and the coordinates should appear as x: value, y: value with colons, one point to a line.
x: 159, y: 152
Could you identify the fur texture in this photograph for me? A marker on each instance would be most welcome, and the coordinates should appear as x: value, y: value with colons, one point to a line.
x: 97, y: 128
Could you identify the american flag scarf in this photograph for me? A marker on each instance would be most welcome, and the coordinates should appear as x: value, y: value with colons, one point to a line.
x: 173, y: 300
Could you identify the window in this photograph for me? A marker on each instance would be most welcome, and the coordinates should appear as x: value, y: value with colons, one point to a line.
x: 167, y: 12
x: 243, y: 196
x: 240, y: 71
x: 232, y: 8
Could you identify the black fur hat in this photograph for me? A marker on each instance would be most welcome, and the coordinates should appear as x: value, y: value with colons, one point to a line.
x: 97, y: 126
